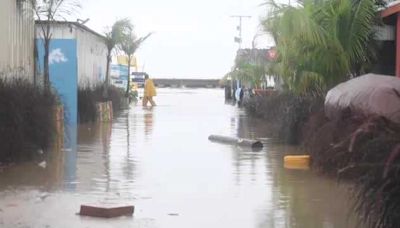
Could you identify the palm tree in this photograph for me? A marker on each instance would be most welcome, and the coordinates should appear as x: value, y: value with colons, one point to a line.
x: 113, y: 38
x: 47, y: 11
x: 253, y: 74
x: 129, y: 45
x: 321, y: 43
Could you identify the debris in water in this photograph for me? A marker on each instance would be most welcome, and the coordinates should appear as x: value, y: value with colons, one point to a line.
x: 43, y: 164
x: 104, y: 212
x: 43, y: 196
x: 297, y: 162
x: 255, y: 144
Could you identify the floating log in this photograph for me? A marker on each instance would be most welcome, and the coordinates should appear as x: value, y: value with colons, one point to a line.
x: 236, y: 141
x: 104, y: 212
x: 297, y: 162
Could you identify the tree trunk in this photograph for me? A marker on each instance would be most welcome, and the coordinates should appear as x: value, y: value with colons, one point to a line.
x: 46, y: 65
x: 35, y: 63
x: 107, y: 80
x: 129, y: 76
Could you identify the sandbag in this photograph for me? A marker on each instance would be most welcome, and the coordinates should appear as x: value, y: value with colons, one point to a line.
x: 370, y: 94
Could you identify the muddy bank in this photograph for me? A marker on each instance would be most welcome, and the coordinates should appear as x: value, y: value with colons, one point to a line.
x: 364, y: 150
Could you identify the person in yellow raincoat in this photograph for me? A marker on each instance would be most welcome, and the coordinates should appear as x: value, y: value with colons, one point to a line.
x: 149, y: 91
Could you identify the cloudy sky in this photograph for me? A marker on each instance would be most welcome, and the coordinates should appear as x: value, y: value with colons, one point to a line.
x: 192, y: 39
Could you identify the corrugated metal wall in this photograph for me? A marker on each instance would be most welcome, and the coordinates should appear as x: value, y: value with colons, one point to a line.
x: 92, y: 61
x: 16, y: 39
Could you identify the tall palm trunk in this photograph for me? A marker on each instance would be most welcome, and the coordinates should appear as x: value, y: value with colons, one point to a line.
x: 107, y: 80
x: 35, y: 67
x: 46, y: 65
x: 129, y: 76
x: 47, y: 39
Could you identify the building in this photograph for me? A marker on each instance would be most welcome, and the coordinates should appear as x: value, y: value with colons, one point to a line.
x: 89, y: 46
x: 389, y: 34
x: 77, y: 58
x: 257, y: 57
x: 17, y: 39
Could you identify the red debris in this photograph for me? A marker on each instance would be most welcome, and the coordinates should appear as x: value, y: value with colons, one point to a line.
x: 104, y: 212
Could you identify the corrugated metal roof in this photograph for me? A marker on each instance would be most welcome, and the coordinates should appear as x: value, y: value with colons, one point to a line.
x: 72, y: 23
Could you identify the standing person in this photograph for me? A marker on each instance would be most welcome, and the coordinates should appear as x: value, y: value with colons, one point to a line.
x: 149, y: 91
x: 241, y: 94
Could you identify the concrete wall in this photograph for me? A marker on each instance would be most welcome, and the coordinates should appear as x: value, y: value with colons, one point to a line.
x: 16, y: 39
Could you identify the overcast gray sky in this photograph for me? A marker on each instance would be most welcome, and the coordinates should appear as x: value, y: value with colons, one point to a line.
x: 192, y: 39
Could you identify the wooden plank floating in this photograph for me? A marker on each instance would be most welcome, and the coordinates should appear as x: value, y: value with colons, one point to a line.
x: 104, y: 212
x: 255, y: 144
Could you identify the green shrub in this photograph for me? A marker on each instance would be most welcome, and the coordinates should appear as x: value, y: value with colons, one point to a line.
x: 286, y: 111
x: 26, y: 120
x: 367, y: 151
x: 88, y: 97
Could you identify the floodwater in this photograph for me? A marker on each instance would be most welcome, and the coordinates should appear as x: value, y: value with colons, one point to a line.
x: 161, y: 161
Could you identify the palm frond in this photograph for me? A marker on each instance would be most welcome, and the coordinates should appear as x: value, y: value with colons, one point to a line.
x: 330, y: 39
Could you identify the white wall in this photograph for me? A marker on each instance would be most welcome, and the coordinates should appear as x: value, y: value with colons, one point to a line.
x: 92, y: 62
x: 16, y: 39
x: 58, y: 31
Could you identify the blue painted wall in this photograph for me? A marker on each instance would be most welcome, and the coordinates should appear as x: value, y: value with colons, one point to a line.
x: 64, y: 80
x: 63, y: 73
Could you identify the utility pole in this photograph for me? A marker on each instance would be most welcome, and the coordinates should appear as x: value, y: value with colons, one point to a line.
x: 239, y: 28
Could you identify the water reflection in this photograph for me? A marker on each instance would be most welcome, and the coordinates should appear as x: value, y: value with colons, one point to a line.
x: 295, y: 198
x: 303, y: 199
x: 161, y: 161
x: 148, y: 122
x: 45, y: 173
x: 70, y: 153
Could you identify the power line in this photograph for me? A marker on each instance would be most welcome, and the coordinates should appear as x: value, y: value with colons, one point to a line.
x: 239, y: 28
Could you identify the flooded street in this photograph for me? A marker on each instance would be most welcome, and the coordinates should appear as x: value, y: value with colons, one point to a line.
x: 161, y: 161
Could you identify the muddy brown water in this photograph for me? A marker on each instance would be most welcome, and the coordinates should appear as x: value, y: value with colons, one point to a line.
x: 161, y: 161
